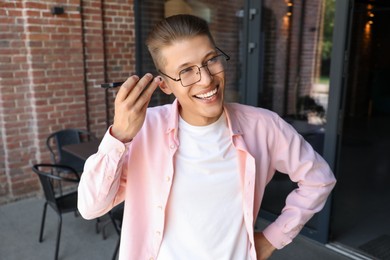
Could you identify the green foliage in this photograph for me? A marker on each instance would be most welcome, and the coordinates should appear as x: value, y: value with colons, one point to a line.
x: 328, y: 29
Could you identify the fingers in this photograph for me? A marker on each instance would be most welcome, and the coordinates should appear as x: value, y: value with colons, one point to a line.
x: 145, y: 98
x: 126, y: 87
x: 143, y: 92
x: 136, y: 92
x: 152, y: 87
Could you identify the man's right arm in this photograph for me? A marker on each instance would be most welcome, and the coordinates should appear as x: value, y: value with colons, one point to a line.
x: 102, y: 184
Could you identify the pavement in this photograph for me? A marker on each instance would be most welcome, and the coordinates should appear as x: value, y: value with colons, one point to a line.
x: 19, y: 231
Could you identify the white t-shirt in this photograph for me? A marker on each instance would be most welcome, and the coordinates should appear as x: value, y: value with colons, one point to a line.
x: 205, y: 210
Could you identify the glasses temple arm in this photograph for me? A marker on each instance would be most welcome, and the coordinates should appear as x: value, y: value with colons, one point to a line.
x: 227, y: 56
x: 168, y: 76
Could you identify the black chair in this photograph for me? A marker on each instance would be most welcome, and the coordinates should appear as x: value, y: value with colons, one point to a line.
x: 57, y: 140
x: 116, y: 215
x: 61, y: 204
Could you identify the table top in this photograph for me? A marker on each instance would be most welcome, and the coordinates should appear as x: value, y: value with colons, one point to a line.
x: 82, y: 150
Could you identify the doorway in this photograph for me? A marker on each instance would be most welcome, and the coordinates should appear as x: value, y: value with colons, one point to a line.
x: 361, y: 204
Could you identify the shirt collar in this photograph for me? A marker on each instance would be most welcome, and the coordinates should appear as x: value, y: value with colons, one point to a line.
x: 234, y: 126
x: 232, y: 118
x: 173, y: 120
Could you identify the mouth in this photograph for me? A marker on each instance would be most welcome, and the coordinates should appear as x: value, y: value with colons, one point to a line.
x: 208, y: 95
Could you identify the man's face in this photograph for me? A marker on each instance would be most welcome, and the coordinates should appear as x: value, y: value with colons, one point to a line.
x: 202, y: 102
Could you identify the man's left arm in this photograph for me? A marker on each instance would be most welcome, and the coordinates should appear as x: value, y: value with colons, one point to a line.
x: 294, y: 156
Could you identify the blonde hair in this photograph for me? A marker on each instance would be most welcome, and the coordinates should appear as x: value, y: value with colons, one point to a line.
x: 175, y: 28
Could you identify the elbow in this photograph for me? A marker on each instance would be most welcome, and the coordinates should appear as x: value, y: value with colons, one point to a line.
x: 84, y: 210
x: 86, y: 206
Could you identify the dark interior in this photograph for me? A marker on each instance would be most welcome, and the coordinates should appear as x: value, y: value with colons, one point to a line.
x: 361, y: 201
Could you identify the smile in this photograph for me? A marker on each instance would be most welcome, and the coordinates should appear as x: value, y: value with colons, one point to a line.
x: 207, y: 95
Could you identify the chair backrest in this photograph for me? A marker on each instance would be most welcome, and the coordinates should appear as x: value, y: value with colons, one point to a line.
x: 57, y: 140
x: 47, y: 177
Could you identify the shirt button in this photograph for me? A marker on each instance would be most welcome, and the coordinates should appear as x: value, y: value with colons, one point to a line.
x: 168, y: 178
x: 158, y: 233
x: 109, y: 177
x: 159, y: 207
x: 284, y: 243
x: 172, y: 146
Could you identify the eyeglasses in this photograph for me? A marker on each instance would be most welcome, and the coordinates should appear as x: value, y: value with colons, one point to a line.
x: 192, y: 74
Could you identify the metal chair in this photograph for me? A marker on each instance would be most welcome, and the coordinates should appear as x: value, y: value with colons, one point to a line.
x: 61, y: 204
x: 57, y: 140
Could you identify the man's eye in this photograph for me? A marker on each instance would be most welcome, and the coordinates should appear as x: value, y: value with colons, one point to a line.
x: 187, y: 70
x: 213, y: 60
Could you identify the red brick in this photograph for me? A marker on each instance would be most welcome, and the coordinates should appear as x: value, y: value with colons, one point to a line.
x: 35, y: 5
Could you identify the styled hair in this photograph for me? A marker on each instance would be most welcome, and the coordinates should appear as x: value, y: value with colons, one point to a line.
x: 175, y: 28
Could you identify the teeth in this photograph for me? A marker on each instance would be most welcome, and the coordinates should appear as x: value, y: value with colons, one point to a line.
x: 208, y: 94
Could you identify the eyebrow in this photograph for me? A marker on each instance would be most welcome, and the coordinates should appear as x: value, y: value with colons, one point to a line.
x: 188, y: 64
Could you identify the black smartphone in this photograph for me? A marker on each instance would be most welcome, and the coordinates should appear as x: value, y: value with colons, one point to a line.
x: 111, y: 85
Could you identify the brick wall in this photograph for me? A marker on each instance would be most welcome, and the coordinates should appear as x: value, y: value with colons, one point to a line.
x: 94, y: 51
x: 119, y: 34
x: 276, y: 26
x: 50, y: 65
x: 290, y: 61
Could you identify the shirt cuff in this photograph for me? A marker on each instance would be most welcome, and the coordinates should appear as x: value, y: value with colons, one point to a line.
x: 110, y: 144
x: 279, y: 239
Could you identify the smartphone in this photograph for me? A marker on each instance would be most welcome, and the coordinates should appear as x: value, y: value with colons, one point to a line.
x: 111, y: 85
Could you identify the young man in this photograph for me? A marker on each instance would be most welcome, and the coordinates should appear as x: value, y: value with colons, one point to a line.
x: 193, y: 173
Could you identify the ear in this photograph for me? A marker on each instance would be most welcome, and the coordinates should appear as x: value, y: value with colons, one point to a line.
x: 164, y: 87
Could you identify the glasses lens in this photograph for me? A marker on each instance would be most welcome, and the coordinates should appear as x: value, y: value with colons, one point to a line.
x: 216, y: 64
x: 189, y: 75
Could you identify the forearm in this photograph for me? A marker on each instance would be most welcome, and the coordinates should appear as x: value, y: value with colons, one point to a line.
x: 301, y: 204
x: 102, y: 183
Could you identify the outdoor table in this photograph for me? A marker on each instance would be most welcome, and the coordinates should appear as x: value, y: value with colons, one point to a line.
x: 82, y: 150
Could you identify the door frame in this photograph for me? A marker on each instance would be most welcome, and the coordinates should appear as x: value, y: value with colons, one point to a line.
x: 252, y: 53
x: 338, y: 77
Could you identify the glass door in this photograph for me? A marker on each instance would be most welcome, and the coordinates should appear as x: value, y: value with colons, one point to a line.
x: 297, y: 45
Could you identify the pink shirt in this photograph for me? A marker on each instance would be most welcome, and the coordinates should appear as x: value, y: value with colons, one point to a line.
x: 141, y: 173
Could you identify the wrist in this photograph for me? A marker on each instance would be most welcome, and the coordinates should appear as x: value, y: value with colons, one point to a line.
x: 117, y: 135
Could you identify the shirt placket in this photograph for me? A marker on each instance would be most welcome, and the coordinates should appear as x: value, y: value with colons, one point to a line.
x: 162, y: 201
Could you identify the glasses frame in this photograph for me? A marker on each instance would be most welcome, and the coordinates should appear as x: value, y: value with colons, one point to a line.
x: 227, y: 57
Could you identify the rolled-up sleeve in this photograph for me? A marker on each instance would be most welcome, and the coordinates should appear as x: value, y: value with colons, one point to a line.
x: 102, y: 184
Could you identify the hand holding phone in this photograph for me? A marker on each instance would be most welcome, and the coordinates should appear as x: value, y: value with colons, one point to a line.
x: 131, y: 103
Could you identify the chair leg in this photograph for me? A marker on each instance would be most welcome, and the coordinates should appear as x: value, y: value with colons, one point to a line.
x: 43, y: 222
x: 58, y: 236
x: 116, y: 249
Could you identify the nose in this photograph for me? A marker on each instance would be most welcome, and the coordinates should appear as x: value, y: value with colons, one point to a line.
x: 205, y: 76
